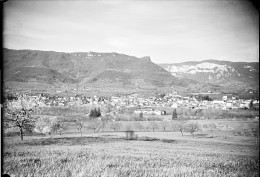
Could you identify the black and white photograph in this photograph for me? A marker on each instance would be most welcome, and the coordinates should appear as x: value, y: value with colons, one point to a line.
x: 130, y: 88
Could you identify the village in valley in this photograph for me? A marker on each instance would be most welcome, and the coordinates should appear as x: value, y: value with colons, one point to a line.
x: 153, y: 105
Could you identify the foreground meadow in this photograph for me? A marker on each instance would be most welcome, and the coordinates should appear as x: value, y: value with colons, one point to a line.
x: 110, y: 154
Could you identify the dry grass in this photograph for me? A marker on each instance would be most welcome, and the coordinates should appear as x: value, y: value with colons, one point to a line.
x: 109, y: 154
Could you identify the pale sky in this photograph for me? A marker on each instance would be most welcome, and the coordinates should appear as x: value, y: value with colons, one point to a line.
x: 167, y: 31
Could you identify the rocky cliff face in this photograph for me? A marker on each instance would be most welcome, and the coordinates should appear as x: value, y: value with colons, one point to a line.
x: 217, y: 72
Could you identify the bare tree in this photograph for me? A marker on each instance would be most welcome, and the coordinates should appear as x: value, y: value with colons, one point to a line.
x: 104, y: 122
x: 94, y: 125
x: 192, y: 128
x: 58, y: 127
x: 179, y: 125
x: 153, y: 125
x: 139, y: 126
x: 164, y: 124
x: 20, y: 114
x: 115, y: 126
x: 79, y: 124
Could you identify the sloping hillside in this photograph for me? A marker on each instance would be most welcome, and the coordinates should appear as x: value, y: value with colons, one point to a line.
x: 83, y: 68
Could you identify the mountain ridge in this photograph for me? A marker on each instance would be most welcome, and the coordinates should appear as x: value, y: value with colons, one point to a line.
x: 100, y: 70
x: 84, y: 68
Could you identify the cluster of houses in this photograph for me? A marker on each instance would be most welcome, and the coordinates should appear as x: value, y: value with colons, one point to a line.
x: 140, y: 104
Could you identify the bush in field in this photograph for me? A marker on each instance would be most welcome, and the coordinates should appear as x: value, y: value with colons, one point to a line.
x: 254, y: 127
x: 137, y: 118
x: 211, y: 127
x: 153, y: 125
x: 139, y: 126
x: 164, y: 124
x: 58, y: 127
x: 95, y: 113
x: 49, y: 125
x: 130, y: 134
x: 43, y: 125
x: 191, y: 128
x: 251, y: 105
x: 20, y: 114
x: 174, y: 114
x: 94, y: 125
x: 115, y: 126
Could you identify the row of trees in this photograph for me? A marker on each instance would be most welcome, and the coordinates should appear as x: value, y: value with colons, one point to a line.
x: 181, y: 126
x: 21, y: 113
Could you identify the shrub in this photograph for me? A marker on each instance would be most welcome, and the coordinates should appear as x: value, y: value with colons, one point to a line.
x: 95, y: 113
x: 58, y: 127
x: 174, y: 114
x: 130, y: 134
x: 192, y: 128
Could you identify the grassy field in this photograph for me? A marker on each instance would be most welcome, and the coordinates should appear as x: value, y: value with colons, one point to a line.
x: 151, y: 154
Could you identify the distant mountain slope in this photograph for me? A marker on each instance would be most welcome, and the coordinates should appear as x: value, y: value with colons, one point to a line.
x: 223, y: 73
x: 84, y: 68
